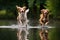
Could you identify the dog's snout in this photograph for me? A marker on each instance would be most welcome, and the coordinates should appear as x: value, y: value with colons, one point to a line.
x: 22, y: 11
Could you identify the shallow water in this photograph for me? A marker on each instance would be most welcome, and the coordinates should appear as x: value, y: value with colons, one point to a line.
x: 11, y: 34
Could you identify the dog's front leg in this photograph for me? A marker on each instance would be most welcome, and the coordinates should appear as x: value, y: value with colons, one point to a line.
x: 21, y: 23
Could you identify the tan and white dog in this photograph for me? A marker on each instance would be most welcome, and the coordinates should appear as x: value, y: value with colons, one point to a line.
x: 22, y: 15
x: 22, y: 20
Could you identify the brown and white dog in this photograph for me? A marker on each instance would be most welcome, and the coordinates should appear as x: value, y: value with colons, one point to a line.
x: 44, y: 20
x: 22, y: 15
x: 44, y: 17
x: 22, y: 20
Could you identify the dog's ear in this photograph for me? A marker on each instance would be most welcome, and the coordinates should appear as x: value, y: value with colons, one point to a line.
x: 24, y: 7
x: 18, y: 7
x: 42, y: 11
x: 46, y: 11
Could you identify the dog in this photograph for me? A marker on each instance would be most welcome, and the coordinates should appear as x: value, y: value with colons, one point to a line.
x: 44, y: 17
x: 44, y: 20
x: 22, y: 15
x: 22, y: 20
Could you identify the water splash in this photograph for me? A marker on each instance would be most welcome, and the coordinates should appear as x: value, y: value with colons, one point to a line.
x: 28, y: 26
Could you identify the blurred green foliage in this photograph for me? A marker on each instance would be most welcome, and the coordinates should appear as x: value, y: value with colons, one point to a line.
x: 54, y: 8
x: 8, y: 8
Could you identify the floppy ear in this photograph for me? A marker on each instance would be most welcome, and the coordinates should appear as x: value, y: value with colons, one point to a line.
x: 47, y: 11
x: 42, y: 10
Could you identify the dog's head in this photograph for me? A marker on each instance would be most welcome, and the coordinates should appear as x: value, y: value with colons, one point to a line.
x: 21, y: 9
x: 44, y: 11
